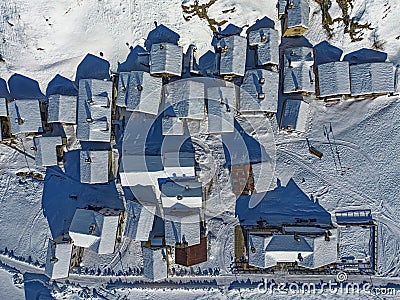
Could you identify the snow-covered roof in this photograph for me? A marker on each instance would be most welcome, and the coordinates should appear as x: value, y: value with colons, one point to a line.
x: 267, y: 42
x: 139, y: 91
x: 3, y: 107
x: 94, y: 166
x: 182, y: 227
x: 181, y: 194
x: 25, y: 116
x: 95, y: 230
x: 308, y: 251
x: 45, y: 150
x: 62, y: 109
x: 166, y: 58
x: 178, y: 164
x: 371, y: 78
x: 295, y: 115
x: 298, y: 12
x: 397, y: 80
x: 140, y: 219
x: 94, y: 110
x: 282, y: 7
x: 154, y: 263
x: 259, y: 91
x: 58, y: 258
x: 233, y: 50
x: 140, y: 169
x: 298, y: 70
x: 355, y: 242
x: 334, y: 79
x: 186, y: 99
x: 221, y: 107
x: 172, y: 126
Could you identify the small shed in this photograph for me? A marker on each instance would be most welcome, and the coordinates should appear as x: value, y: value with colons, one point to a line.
x: 154, y: 263
x: 94, y: 110
x: 25, y: 116
x: 95, y: 166
x: 46, y: 150
x: 334, y: 79
x: 62, y: 109
x: 297, y: 19
x: 267, y: 42
x: 232, y: 50
x: 259, y: 91
x: 166, y: 59
x: 295, y: 115
x: 191, y: 255
x: 372, y: 79
x: 221, y: 107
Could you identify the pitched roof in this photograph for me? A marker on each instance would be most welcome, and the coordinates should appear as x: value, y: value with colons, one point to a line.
x: 298, y: 70
x: 25, y: 116
x: 172, y: 126
x: 3, y: 107
x: 397, y: 80
x: 45, y: 150
x: 94, y: 166
x: 334, y: 79
x: 310, y: 252
x: 186, y: 99
x: 221, y: 107
x: 62, y: 109
x: 182, y: 227
x: 295, y: 115
x: 298, y: 13
x: 259, y: 91
x: 282, y: 7
x: 139, y: 91
x: 140, y: 219
x: 233, y: 50
x: 166, y: 58
x: 58, y: 258
x: 154, y: 263
x: 95, y: 230
x: 177, y: 164
x: 267, y: 42
x: 371, y: 78
x: 94, y: 110
x: 140, y: 169
x: 181, y: 194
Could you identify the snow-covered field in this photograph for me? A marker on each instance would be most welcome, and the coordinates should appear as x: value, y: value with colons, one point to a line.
x: 41, y: 39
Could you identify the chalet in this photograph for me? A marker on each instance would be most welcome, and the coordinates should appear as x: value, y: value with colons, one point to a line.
x: 97, y: 229
x: 221, y: 107
x: 298, y: 74
x: 46, y: 150
x: 166, y: 60
x: 333, y: 79
x: 62, y: 255
x: 295, y: 115
x: 191, y: 255
x: 372, y: 79
x: 94, y: 110
x: 181, y: 194
x: 62, y: 109
x: 139, y: 91
x: 140, y: 219
x: 95, y: 166
x: 259, y: 91
x: 186, y: 99
x: 310, y: 252
x: 182, y: 227
x: 172, y: 125
x: 231, y: 50
x: 266, y: 41
x: 25, y: 116
x: 297, y: 17
x: 154, y: 263
x: 179, y: 164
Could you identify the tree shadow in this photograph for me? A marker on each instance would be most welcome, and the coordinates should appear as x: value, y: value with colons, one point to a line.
x: 365, y: 55
x: 325, y: 53
x: 161, y: 34
x: 283, y: 205
x: 261, y: 23
x: 22, y: 87
x: 137, y: 60
x: 35, y: 287
x: 93, y: 67
x: 62, y: 86
x: 4, y: 93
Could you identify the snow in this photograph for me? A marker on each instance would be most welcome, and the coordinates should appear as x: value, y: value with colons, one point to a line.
x: 140, y: 218
x: 298, y: 14
x: 267, y: 42
x: 94, y: 166
x: 45, y: 150
x: 334, y: 79
x: 166, y: 58
x: 231, y: 60
x: 182, y: 226
x: 295, y: 115
x: 154, y: 264
x: 61, y: 251
x: 25, y: 116
x: 62, y: 109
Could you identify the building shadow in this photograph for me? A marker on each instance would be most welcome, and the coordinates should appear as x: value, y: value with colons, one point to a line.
x: 137, y: 60
x: 35, y: 287
x: 4, y: 93
x: 62, y: 86
x: 161, y: 34
x: 93, y: 67
x: 22, y: 87
x: 365, y: 55
x: 283, y: 205
x: 293, y: 42
x: 261, y: 23
x: 207, y: 63
x: 325, y: 53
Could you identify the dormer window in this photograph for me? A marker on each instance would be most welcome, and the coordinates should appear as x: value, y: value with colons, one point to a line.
x: 20, y: 121
x: 261, y: 96
x: 89, y: 120
x: 88, y: 160
x: 53, y: 260
x: 139, y: 88
x: 92, y: 228
x: 161, y: 46
x: 263, y: 38
x: 179, y: 197
x: 261, y: 80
